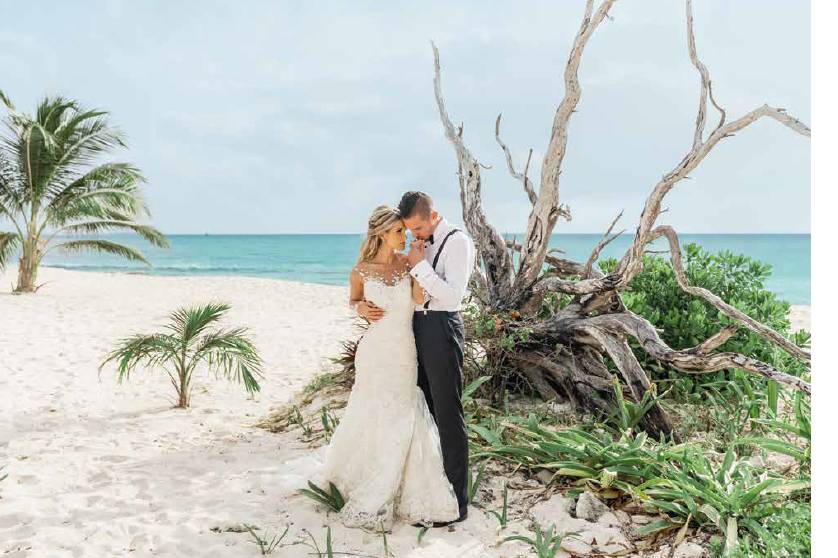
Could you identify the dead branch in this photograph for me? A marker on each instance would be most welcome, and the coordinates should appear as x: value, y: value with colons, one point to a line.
x: 490, y: 244
x: 525, y: 181
x: 716, y: 341
x: 604, y: 241
x: 545, y: 212
x: 690, y: 361
x: 762, y: 330
x: 566, y: 350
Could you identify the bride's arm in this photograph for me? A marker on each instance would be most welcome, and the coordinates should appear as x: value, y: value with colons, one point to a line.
x: 359, y: 305
x: 356, y: 289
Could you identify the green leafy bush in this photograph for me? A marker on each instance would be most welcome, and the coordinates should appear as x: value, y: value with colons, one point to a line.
x: 686, y: 320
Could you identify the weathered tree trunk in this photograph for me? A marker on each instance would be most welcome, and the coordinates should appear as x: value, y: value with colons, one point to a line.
x: 183, y: 399
x: 565, y: 354
x: 27, y: 271
x: 183, y: 381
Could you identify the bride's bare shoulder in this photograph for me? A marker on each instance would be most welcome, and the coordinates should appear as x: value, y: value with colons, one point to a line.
x: 367, y: 269
x: 360, y: 270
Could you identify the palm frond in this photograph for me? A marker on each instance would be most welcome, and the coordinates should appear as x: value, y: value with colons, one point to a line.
x: 150, y: 234
x: 153, y: 350
x: 51, y: 147
x: 16, y: 120
x: 35, y: 154
x: 6, y: 101
x: 105, y: 246
x: 92, y: 205
x: 9, y: 212
x: 51, y: 111
x: 10, y: 195
x: 232, y: 354
x: 89, y: 136
x: 113, y: 185
x: 8, y: 245
x: 188, y: 323
x: 98, y: 204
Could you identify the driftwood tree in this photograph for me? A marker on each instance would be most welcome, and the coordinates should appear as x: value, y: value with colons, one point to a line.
x: 565, y: 353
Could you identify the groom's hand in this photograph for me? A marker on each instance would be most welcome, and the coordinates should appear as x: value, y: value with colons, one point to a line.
x: 416, y: 253
x: 369, y: 311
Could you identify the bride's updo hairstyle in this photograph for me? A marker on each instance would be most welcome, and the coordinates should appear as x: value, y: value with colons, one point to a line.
x: 383, y: 219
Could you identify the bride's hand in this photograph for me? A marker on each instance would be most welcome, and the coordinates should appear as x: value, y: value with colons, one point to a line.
x: 416, y: 253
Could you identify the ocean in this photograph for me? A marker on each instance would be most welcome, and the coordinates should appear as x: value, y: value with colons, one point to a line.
x: 327, y: 258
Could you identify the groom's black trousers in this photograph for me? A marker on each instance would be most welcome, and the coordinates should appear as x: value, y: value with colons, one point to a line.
x: 440, y: 340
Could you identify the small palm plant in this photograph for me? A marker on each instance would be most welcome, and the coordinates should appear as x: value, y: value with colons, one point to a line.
x: 546, y: 544
x: 188, y: 343
x: 54, y: 185
x: 333, y: 499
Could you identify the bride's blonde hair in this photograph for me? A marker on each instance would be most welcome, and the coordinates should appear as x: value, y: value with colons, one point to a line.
x: 383, y: 219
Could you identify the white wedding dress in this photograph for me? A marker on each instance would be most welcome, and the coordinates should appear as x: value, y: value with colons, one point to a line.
x: 385, y: 455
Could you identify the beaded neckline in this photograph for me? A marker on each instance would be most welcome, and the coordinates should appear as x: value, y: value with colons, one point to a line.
x: 383, y: 281
x: 388, y: 276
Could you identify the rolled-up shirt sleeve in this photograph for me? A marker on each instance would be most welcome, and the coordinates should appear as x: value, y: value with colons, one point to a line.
x: 458, y: 257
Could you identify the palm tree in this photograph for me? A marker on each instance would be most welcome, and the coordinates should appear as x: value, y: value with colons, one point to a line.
x: 52, y: 184
x: 187, y: 344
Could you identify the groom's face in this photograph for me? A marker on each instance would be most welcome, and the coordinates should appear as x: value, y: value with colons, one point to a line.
x: 421, y: 227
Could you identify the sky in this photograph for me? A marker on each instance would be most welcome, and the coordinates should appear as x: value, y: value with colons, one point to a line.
x: 301, y: 117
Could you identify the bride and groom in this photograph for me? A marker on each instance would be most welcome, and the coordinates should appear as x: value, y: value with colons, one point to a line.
x: 401, y: 449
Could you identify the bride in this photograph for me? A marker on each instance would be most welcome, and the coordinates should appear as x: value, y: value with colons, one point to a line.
x: 385, y: 455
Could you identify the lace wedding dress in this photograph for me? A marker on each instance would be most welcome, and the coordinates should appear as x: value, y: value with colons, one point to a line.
x: 385, y: 455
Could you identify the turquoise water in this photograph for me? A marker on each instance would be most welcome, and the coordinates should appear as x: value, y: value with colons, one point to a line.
x: 327, y: 258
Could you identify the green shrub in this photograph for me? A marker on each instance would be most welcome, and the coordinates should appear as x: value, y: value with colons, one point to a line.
x: 686, y: 320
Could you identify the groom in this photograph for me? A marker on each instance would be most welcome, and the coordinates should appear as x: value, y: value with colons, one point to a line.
x: 441, y: 260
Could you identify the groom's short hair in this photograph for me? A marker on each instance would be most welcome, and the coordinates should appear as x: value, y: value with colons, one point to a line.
x: 413, y: 203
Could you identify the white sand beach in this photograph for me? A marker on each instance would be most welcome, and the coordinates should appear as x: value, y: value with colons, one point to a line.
x: 800, y: 317
x: 100, y: 469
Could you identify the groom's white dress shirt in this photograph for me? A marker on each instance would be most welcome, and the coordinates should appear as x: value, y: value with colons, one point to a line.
x: 447, y: 286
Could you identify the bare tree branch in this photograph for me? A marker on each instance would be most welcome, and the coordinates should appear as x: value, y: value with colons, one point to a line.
x: 595, y: 322
x: 701, y: 116
x: 634, y: 375
x: 691, y: 361
x: 525, y: 181
x: 760, y: 329
x: 716, y: 341
x: 491, y: 245
x: 578, y: 287
x: 706, y: 83
x: 631, y: 262
x: 545, y: 212
x: 604, y: 241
